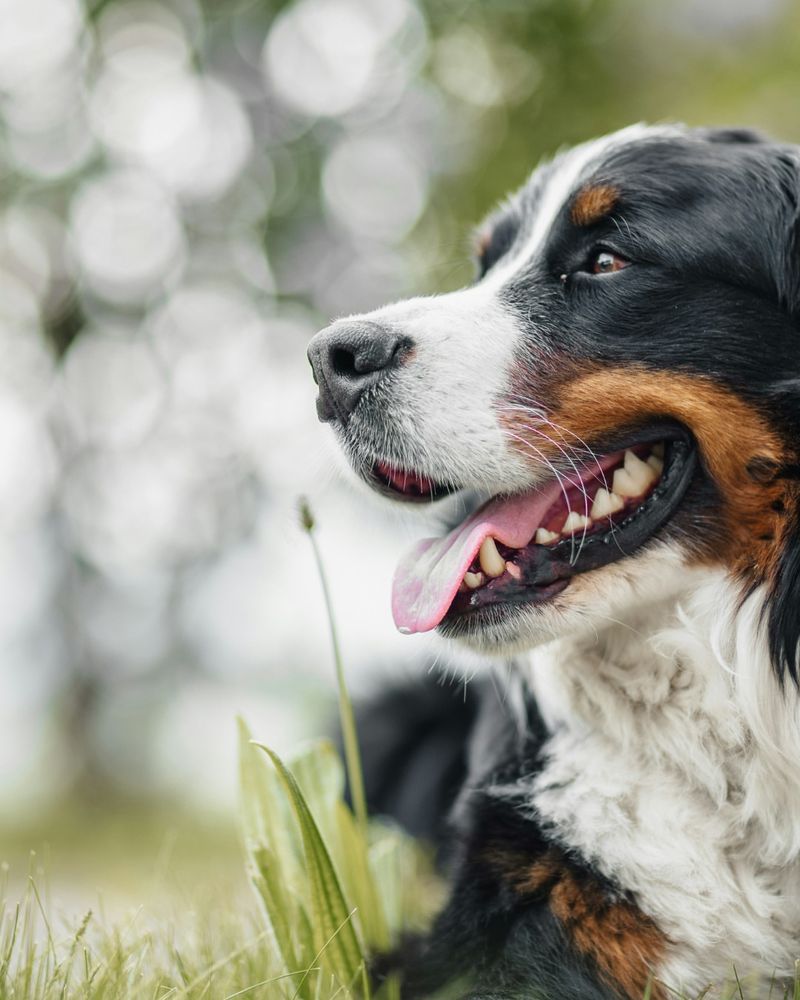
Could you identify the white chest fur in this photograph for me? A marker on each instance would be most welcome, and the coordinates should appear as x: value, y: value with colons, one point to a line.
x: 674, y: 768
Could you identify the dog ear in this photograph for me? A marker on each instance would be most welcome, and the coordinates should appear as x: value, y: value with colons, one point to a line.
x: 783, y: 607
x: 772, y: 171
x: 782, y: 610
x: 781, y: 227
x: 787, y: 240
x: 731, y: 135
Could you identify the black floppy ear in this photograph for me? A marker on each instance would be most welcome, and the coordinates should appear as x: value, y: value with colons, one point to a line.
x: 781, y: 192
x: 768, y: 204
x: 731, y: 135
x: 787, y: 164
x: 783, y: 609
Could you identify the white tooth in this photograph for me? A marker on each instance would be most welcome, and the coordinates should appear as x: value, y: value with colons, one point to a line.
x: 639, y: 471
x: 513, y: 570
x: 544, y: 537
x: 575, y: 522
x: 624, y: 484
x: 656, y: 463
x: 605, y: 503
x: 473, y: 580
x: 658, y: 449
x: 492, y: 563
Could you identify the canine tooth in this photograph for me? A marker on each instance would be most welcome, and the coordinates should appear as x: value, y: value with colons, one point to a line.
x: 513, y: 570
x: 605, y: 503
x: 624, y: 484
x: 473, y: 580
x: 639, y: 471
x: 462, y: 588
x: 492, y: 563
x: 575, y: 522
x: 656, y: 463
x: 544, y: 537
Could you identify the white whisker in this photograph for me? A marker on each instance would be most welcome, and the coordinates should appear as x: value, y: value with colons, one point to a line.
x: 557, y: 476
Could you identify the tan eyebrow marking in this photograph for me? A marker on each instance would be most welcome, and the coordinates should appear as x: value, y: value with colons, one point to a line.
x: 592, y: 203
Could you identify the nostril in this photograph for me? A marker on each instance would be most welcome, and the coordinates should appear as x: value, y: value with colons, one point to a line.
x: 343, y: 362
x: 349, y: 357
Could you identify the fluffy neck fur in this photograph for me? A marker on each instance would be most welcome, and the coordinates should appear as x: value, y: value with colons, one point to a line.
x: 674, y: 767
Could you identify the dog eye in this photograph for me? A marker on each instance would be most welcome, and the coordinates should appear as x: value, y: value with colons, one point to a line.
x: 605, y: 262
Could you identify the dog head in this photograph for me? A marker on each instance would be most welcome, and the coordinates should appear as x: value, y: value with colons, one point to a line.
x: 615, y: 398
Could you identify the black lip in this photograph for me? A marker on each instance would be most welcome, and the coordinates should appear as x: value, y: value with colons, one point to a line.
x: 547, y: 570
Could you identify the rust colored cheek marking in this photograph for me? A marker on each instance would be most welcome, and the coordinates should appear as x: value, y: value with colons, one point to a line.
x: 623, y: 944
x: 593, y: 203
x: 739, y: 449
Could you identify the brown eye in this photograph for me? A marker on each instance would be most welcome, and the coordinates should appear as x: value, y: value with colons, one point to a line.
x: 606, y: 262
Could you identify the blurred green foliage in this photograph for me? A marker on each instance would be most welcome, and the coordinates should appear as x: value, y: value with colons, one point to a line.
x: 605, y: 64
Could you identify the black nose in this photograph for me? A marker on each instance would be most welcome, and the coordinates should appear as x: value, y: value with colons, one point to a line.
x: 347, y: 358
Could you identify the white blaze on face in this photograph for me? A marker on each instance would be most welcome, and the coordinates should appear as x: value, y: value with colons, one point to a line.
x: 442, y: 406
x: 442, y: 400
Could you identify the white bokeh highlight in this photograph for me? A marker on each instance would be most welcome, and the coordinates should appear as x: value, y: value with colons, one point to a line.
x: 161, y: 272
x: 375, y: 186
x: 127, y: 235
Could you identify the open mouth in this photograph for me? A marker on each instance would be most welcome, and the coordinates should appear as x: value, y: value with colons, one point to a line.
x: 525, y: 549
x: 401, y: 484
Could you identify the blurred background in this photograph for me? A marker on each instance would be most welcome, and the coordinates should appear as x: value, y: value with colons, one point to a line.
x: 188, y: 191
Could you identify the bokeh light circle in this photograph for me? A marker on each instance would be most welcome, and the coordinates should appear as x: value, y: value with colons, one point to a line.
x: 374, y: 186
x: 320, y: 54
x: 127, y: 235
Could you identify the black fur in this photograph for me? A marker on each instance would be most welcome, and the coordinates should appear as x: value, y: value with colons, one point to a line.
x: 414, y: 739
x: 783, y: 621
x: 491, y: 941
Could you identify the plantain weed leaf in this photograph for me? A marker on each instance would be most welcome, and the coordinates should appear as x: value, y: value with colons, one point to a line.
x: 337, y: 944
x: 266, y: 814
x: 274, y: 853
x: 320, y: 774
x: 318, y: 771
x: 286, y: 917
x: 363, y: 887
x: 389, y: 865
x: 389, y: 989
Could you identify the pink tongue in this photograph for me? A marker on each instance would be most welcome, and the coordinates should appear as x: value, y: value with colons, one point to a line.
x: 428, y: 576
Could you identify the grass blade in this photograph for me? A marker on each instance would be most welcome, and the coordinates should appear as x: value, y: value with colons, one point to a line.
x: 273, y: 856
x: 352, y: 755
x: 336, y: 937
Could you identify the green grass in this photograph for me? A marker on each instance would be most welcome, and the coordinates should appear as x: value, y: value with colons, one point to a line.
x: 327, y: 893
x: 214, y: 955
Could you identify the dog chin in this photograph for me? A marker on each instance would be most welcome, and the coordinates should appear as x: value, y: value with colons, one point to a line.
x: 501, y: 632
x: 623, y: 593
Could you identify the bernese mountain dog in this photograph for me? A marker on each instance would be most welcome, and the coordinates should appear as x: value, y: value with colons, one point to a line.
x: 608, y: 419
